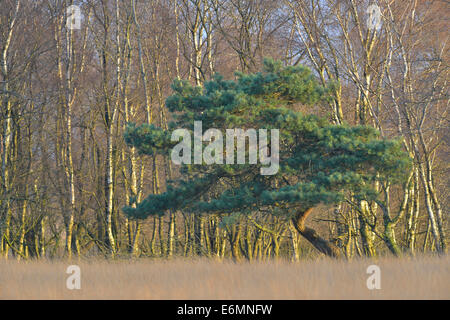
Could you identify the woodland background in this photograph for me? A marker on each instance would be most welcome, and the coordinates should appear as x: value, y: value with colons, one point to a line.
x: 67, y: 95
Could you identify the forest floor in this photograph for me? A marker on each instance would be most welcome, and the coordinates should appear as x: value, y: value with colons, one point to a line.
x: 401, y: 278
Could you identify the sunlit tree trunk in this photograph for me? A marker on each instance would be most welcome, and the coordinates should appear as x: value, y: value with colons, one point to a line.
x: 5, y: 205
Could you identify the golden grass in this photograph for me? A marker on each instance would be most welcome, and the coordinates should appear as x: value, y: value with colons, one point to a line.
x: 405, y: 278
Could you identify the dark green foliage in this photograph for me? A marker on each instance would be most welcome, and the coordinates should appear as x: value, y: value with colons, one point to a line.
x: 319, y: 162
x: 147, y: 138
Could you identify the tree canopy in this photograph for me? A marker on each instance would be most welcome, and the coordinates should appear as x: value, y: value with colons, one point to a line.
x: 319, y: 162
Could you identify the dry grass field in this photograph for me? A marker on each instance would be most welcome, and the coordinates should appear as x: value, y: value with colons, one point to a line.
x: 405, y: 278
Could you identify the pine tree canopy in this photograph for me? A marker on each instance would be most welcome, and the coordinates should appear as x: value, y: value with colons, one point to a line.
x: 319, y: 162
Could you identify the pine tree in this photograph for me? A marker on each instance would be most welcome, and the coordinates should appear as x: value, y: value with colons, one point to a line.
x: 319, y: 162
